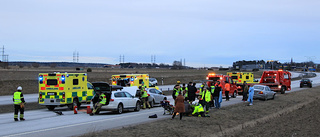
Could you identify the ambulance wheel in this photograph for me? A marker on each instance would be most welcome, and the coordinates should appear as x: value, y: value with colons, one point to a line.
x: 51, y: 108
x: 120, y: 108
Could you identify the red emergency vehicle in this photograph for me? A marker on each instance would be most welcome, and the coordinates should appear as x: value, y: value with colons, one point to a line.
x: 223, y: 80
x: 277, y: 80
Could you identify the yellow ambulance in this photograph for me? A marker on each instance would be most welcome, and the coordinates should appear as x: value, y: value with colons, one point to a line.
x: 240, y: 78
x: 64, y: 89
x: 130, y: 80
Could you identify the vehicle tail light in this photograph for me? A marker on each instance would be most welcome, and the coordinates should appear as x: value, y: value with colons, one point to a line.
x: 63, y: 95
x: 111, y: 99
x: 40, y: 95
x: 260, y: 92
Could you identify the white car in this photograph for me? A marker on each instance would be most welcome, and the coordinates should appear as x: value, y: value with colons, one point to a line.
x: 122, y: 100
x: 153, y: 82
x: 117, y: 101
x: 155, y: 96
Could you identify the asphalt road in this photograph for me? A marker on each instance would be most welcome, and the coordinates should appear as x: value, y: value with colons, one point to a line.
x: 47, y: 123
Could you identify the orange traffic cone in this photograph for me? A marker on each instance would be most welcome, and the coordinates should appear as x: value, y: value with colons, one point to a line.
x: 75, y: 110
x: 89, y: 111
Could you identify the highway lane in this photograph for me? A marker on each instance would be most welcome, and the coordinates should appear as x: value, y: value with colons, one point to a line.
x: 47, y: 123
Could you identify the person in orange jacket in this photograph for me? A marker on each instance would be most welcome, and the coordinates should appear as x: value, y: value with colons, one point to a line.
x: 227, y: 90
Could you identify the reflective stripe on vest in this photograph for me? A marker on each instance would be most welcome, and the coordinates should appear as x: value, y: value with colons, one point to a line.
x: 103, y: 100
x: 212, y: 89
x: 17, y: 98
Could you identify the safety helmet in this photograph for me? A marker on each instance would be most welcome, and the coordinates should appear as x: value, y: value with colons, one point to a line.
x: 19, y: 88
x: 178, y: 82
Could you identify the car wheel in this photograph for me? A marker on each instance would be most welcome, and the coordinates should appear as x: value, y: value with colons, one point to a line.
x: 152, y: 104
x: 310, y: 86
x: 265, y: 98
x: 274, y: 95
x: 283, y: 90
x: 138, y: 106
x: 51, y: 108
x: 300, y: 86
x: 119, y: 108
x: 234, y: 94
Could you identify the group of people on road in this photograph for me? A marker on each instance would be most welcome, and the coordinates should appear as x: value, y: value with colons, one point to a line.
x: 186, y: 96
x: 209, y: 96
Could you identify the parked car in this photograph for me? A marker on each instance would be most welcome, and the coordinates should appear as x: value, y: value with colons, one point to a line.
x: 117, y: 101
x: 153, y: 82
x: 155, y: 96
x: 263, y: 92
x: 306, y: 82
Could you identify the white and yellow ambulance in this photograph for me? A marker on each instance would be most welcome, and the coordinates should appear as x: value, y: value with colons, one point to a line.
x: 64, y: 89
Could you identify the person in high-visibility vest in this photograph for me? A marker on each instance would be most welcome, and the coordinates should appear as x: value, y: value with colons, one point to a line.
x: 176, y: 91
x: 201, y: 88
x: 184, y: 90
x: 212, y: 87
x: 98, y: 105
x: 198, y: 110
x: 144, y: 96
x: 19, y: 102
x: 206, y: 97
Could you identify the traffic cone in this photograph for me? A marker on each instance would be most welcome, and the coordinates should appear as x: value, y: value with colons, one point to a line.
x: 75, y: 110
x: 89, y: 111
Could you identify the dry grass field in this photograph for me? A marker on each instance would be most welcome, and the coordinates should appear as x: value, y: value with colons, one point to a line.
x: 10, y: 79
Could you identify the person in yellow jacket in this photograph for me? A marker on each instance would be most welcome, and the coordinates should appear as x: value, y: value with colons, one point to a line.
x: 206, y: 97
x: 98, y: 105
x: 19, y: 102
x: 144, y: 96
x: 198, y: 110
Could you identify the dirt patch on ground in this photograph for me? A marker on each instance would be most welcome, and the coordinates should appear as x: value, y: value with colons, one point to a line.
x: 302, y: 121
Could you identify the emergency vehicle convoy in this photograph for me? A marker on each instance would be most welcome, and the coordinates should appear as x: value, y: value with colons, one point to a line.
x: 240, y: 77
x: 64, y: 89
x: 223, y: 80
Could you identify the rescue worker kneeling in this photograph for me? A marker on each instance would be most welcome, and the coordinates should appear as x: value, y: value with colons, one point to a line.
x: 198, y: 110
x: 102, y: 101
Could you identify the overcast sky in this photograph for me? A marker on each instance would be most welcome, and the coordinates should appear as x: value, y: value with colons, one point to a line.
x: 203, y: 32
